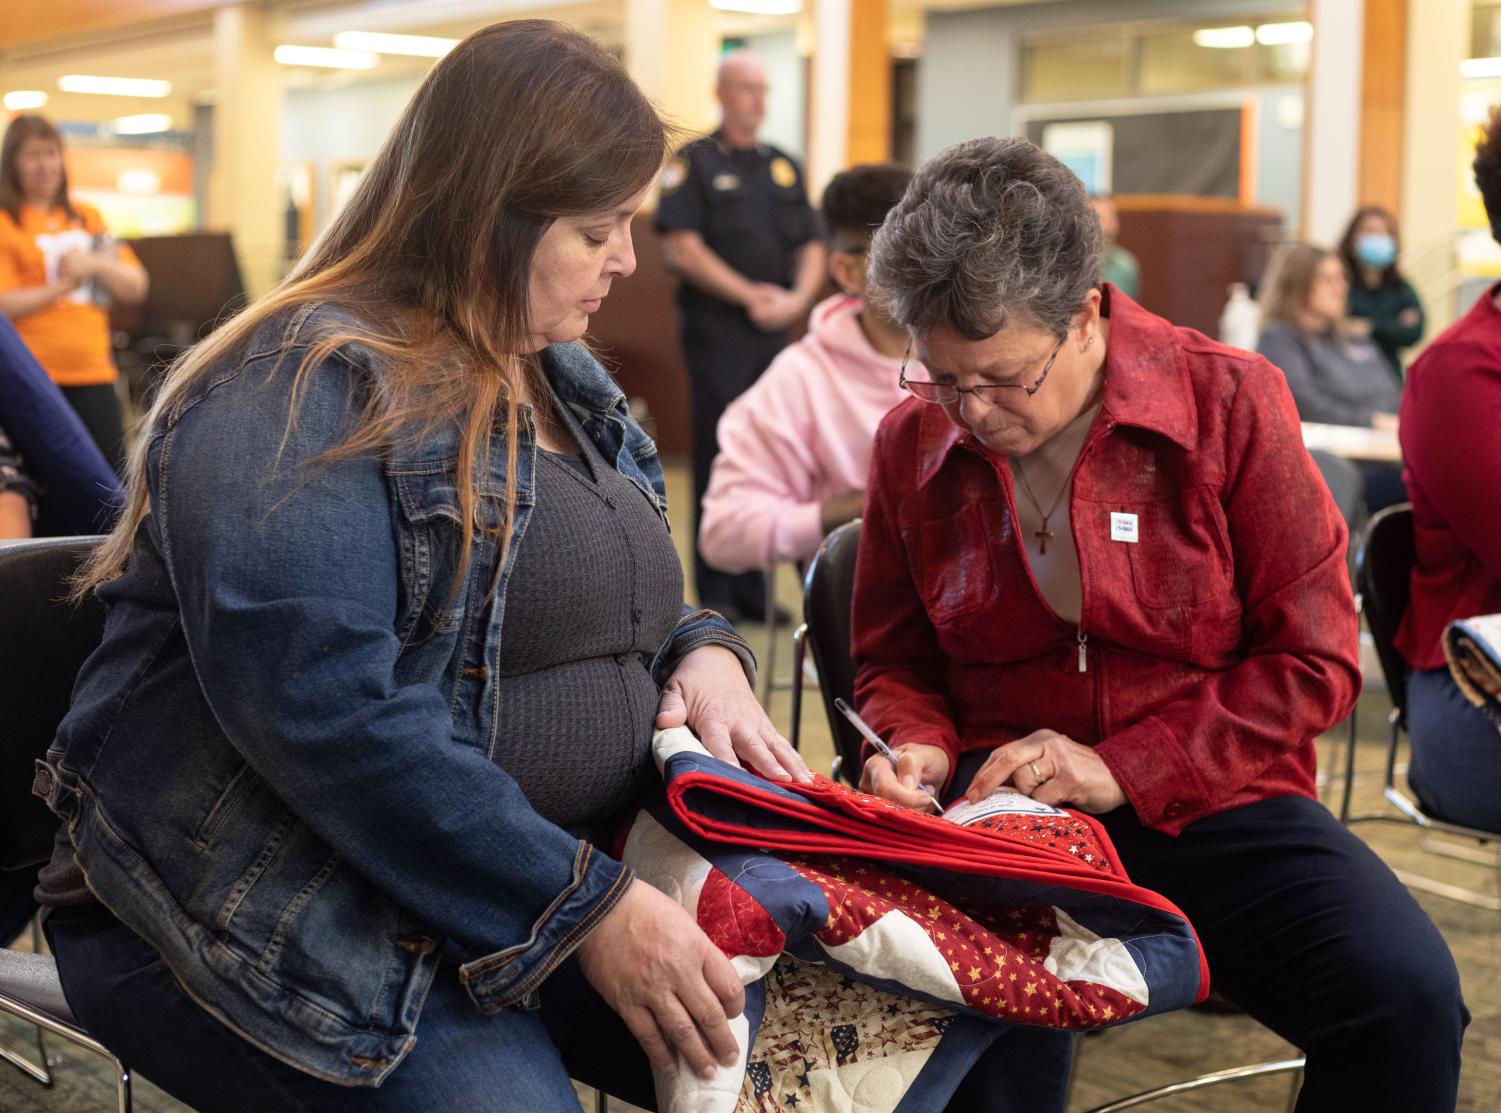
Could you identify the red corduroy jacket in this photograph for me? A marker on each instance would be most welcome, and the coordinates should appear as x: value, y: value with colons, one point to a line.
x: 1216, y: 646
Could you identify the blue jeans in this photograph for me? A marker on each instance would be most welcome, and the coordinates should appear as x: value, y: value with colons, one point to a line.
x: 1455, y: 770
x: 463, y: 1062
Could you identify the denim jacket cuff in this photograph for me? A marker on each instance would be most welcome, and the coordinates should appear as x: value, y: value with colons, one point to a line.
x: 700, y: 629
x: 513, y: 976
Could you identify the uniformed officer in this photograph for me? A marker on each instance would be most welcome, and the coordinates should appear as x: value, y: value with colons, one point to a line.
x: 741, y: 235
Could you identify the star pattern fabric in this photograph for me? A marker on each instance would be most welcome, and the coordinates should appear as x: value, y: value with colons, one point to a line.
x: 874, y: 927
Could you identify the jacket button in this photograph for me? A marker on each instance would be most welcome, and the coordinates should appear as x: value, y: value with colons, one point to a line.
x: 1173, y: 810
x: 610, y: 501
x: 621, y: 659
x: 636, y: 615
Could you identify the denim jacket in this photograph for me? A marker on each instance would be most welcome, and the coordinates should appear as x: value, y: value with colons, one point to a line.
x: 277, y: 766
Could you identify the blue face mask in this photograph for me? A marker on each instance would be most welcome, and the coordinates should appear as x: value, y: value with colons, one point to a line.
x: 1376, y: 250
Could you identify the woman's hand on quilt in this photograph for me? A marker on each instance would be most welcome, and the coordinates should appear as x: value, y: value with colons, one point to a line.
x: 1052, y: 769
x: 916, y: 765
x: 674, y: 989
x: 708, y: 692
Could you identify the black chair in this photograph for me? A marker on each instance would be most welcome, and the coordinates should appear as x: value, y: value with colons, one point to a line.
x: 44, y: 640
x: 1383, y: 570
x: 828, y: 594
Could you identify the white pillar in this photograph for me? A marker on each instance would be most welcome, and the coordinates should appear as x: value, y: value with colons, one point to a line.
x: 242, y: 195
x: 1331, y: 164
x: 672, y: 50
x: 828, y: 136
x: 1438, y: 39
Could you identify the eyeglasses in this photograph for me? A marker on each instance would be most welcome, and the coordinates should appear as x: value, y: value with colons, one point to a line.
x: 943, y: 394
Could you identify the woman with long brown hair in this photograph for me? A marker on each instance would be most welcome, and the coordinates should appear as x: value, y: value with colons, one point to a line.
x: 393, y: 612
x: 57, y: 269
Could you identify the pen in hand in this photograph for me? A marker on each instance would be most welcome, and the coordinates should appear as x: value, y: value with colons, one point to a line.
x: 880, y: 746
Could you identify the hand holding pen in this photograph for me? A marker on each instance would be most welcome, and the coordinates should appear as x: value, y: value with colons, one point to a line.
x: 881, y: 748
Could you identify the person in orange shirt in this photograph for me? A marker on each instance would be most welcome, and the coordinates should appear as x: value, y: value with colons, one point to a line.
x: 55, y: 273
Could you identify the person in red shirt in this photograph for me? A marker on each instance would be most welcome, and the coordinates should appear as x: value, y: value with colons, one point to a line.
x: 1451, y: 412
x: 1099, y: 567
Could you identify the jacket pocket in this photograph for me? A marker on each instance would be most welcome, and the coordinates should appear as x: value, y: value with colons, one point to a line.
x: 1181, y: 557
x: 429, y: 539
x: 952, y: 561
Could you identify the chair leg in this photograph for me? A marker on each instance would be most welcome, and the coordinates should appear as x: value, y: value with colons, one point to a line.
x: 122, y: 1087
x: 601, y: 1102
x: 41, y: 1074
x: 1349, y: 785
x: 769, y: 666
x: 799, y: 653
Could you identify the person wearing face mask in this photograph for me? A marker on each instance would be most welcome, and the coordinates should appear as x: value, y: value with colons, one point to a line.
x: 1098, y: 566
x: 392, y: 614
x: 55, y: 273
x: 794, y: 449
x: 1383, y: 304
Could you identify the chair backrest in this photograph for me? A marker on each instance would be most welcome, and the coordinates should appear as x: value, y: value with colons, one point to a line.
x: 1383, y: 569
x: 44, y: 640
x: 1343, y: 480
x: 828, y: 592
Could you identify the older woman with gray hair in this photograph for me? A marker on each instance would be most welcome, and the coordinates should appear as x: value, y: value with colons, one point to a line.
x: 1099, y: 568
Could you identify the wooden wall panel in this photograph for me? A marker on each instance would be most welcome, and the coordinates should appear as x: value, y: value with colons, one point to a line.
x: 33, y: 20
x: 1383, y: 89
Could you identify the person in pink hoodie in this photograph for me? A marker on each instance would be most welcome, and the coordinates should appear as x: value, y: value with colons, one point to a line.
x: 795, y: 447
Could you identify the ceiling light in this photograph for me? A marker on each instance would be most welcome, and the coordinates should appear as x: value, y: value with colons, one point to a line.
x: 146, y: 123
x: 759, y: 7
x: 113, y: 86
x: 1481, y: 67
x: 325, y: 57
x: 19, y: 100
x: 1224, y: 38
x: 418, y: 46
x: 1282, y: 34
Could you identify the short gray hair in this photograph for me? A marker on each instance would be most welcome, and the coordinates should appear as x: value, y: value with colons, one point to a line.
x: 990, y: 230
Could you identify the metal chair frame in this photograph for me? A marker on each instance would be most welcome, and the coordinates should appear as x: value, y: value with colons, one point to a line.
x: 70, y: 551
x: 1384, y: 606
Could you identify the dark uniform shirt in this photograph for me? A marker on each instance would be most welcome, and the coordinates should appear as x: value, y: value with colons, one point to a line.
x: 748, y: 204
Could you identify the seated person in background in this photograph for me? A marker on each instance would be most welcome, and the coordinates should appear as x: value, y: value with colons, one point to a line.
x: 1120, y: 267
x: 1098, y: 566
x: 1451, y: 414
x: 1336, y: 378
x: 795, y: 447
x: 17, y: 493
x: 1383, y: 304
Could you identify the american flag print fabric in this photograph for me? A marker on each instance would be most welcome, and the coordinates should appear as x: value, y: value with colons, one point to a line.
x: 1004, y: 913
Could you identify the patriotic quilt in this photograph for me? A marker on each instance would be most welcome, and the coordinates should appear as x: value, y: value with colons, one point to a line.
x: 1472, y: 648
x: 883, y: 949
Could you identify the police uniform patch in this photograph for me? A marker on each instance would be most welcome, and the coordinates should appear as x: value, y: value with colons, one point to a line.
x: 726, y: 181
x: 674, y: 175
x: 783, y: 173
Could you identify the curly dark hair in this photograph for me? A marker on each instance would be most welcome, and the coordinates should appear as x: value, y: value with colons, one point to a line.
x: 1487, y: 167
x: 856, y: 201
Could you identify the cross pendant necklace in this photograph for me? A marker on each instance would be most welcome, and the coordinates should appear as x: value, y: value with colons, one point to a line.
x: 1042, y: 533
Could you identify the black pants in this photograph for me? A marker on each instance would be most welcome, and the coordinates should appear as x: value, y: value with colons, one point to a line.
x: 98, y: 407
x: 725, y: 354
x: 1311, y: 933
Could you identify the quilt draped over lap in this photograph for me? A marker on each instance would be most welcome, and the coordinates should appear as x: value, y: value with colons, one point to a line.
x: 883, y: 949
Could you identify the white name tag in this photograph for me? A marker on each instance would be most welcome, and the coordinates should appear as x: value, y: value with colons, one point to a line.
x: 1123, y: 527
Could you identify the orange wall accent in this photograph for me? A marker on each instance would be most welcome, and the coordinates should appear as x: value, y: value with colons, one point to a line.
x: 869, y: 138
x: 31, y: 20
x: 98, y: 168
x: 1383, y: 86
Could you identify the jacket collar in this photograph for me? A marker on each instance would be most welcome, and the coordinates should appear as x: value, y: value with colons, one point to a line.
x: 1146, y: 386
x: 579, y: 380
